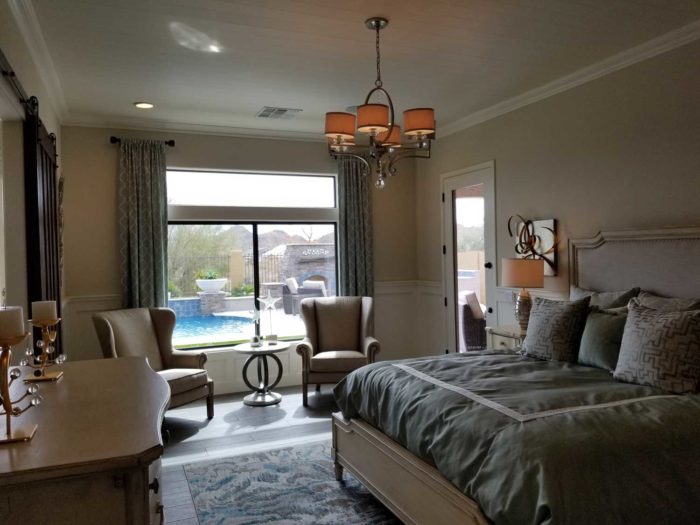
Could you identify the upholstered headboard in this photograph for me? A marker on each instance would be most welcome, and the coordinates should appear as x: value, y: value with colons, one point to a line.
x: 663, y: 261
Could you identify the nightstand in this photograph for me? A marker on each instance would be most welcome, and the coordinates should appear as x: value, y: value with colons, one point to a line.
x: 505, y: 337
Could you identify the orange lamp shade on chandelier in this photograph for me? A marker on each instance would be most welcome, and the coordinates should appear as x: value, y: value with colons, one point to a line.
x: 377, y: 120
x: 419, y: 121
x: 392, y: 138
x: 373, y: 118
x: 340, y: 125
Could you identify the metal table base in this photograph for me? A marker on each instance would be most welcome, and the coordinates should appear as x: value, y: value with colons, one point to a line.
x: 262, y: 393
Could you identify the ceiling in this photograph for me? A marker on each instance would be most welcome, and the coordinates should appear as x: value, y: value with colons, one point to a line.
x: 460, y: 57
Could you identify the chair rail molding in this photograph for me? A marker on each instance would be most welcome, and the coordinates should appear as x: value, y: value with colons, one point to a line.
x: 408, y: 320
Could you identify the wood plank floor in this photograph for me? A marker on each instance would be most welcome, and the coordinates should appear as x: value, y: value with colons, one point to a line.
x: 235, y: 429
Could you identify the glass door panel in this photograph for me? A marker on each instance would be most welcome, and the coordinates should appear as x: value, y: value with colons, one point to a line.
x: 470, y: 276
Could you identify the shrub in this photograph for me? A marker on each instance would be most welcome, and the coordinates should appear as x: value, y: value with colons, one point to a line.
x: 243, y: 290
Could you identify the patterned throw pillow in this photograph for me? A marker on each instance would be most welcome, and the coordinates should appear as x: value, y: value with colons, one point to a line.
x: 660, y: 349
x: 604, y: 300
x: 555, y: 328
x: 666, y: 304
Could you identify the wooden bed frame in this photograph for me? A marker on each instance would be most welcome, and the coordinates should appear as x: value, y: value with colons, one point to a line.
x: 664, y: 261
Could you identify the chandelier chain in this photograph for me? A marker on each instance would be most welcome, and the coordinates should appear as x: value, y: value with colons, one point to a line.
x: 378, y: 82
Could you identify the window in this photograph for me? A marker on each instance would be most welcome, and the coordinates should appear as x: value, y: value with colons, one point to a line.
x: 222, y: 257
x: 266, y: 190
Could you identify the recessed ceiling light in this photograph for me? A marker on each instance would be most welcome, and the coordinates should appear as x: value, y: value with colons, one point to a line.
x: 144, y: 105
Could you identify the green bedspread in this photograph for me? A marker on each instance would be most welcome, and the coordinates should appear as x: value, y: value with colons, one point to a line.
x: 539, y: 441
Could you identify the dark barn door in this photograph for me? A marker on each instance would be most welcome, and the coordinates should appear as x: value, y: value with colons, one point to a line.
x: 41, y: 207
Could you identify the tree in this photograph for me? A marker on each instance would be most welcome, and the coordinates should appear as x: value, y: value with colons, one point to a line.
x: 470, y: 238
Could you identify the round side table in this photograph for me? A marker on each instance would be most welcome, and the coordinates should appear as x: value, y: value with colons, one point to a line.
x: 262, y: 393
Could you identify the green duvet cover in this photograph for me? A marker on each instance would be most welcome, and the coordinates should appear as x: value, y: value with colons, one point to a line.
x: 539, y: 441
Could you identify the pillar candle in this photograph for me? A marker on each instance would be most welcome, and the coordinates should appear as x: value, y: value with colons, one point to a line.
x: 11, y: 322
x: 44, y: 311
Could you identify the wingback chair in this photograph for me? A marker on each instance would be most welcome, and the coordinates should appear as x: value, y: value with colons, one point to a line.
x: 339, y: 339
x: 148, y: 332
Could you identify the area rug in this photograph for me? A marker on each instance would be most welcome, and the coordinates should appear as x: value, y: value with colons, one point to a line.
x: 285, y: 486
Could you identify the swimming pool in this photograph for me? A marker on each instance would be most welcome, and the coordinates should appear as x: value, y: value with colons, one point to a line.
x: 214, y: 326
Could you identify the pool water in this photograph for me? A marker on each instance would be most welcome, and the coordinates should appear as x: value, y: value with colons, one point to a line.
x: 211, y: 325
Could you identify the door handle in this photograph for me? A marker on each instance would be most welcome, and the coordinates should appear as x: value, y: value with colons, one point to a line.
x: 488, y: 265
x: 489, y: 310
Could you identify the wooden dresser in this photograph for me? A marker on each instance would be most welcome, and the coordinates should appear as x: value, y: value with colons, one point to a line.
x: 95, y: 457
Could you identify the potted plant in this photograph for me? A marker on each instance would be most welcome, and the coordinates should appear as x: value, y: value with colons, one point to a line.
x: 208, y: 281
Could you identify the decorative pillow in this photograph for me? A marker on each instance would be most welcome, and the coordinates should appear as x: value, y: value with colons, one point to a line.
x: 666, y: 304
x: 291, y: 283
x: 604, y: 299
x: 601, y: 339
x: 555, y: 328
x: 660, y: 349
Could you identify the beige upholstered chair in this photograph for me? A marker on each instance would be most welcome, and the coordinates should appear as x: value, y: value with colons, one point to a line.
x: 147, y: 332
x: 339, y: 338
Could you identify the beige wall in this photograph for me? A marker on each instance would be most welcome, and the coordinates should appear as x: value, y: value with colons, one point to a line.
x: 622, y: 151
x: 90, y: 207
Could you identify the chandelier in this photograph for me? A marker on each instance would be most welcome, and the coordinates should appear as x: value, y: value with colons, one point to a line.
x: 376, y: 120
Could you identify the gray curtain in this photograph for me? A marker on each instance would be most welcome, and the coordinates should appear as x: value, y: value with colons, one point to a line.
x: 143, y: 223
x: 355, y: 235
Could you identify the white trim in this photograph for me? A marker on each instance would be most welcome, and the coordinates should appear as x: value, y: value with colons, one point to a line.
x: 141, y: 124
x: 484, y: 174
x: 513, y: 414
x: 651, y: 48
x: 394, y: 288
x: 28, y: 23
x: 239, y: 213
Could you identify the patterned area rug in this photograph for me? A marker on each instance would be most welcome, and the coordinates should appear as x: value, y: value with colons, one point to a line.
x: 284, y: 486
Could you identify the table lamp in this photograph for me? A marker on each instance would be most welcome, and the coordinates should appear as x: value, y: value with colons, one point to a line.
x: 522, y: 273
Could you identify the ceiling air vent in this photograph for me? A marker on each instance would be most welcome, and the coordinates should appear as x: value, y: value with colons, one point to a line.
x: 273, y: 112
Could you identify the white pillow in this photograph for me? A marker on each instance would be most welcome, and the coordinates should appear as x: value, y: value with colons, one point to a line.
x: 474, y: 305
x: 291, y: 283
x: 318, y: 285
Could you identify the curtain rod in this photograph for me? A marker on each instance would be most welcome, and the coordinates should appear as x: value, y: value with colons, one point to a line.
x: 117, y: 140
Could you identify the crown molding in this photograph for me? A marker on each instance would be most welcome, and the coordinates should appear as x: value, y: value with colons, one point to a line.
x: 142, y: 124
x: 30, y: 29
x: 651, y: 48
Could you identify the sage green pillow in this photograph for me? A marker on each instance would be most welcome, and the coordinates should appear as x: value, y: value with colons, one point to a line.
x: 604, y: 299
x: 601, y: 340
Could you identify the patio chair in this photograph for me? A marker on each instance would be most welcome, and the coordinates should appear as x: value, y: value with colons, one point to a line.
x: 473, y: 322
x: 293, y: 294
x: 339, y: 339
x: 148, y: 332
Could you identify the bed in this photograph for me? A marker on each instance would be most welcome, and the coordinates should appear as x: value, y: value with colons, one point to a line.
x: 571, y: 450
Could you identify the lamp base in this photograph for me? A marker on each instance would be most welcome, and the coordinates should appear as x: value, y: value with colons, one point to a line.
x: 523, y: 305
x: 19, y: 434
x: 48, y: 376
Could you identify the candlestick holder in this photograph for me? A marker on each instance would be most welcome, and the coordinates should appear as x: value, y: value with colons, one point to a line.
x: 23, y: 432
x: 46, y: 357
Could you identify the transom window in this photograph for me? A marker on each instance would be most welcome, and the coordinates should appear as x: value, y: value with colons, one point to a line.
x: 268, y: 190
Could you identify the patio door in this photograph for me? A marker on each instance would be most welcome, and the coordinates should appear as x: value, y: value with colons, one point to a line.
x: 469, y: 248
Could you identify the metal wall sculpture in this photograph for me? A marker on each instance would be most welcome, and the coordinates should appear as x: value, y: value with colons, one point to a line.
x: 535, y: 240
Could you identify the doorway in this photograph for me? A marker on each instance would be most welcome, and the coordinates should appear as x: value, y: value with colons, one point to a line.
x: 469, y: 248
